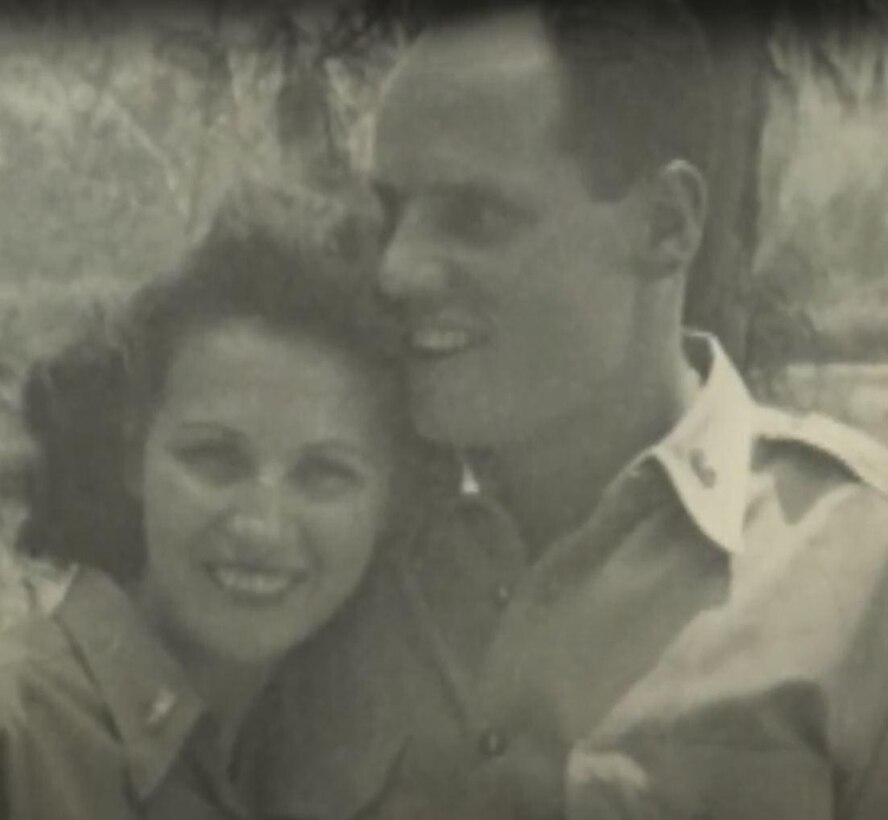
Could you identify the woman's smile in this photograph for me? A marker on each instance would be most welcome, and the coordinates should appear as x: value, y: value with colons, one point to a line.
x: 251, y: 583
x: 264, y: 485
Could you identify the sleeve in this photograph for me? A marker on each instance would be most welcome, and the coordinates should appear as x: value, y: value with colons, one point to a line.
x: 665, y: 780
x: 15, y: 802
x: 772, y: 707
x: 55, y: 763
x: 31, y: 778
x: 20, y: 767
x: 871, y: 798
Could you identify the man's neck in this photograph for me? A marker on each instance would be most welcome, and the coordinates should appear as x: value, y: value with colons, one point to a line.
x: 552, y: 482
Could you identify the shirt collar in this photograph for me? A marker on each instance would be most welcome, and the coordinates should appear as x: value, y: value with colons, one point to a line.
x: 153, y: 707
x: 706, y: 456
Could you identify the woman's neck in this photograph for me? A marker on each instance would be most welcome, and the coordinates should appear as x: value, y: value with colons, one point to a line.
x: 229, y: 689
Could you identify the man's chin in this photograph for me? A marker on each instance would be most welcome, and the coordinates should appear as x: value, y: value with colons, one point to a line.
x: 459, y: 406
x: 457, y: 424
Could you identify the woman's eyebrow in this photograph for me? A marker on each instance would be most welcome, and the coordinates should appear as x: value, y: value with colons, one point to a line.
x: 207, y: 428
x: 334, y: 446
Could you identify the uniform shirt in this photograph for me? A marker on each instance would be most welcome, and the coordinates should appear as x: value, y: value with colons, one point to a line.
x: 97, y: 722
x: 711, y: 643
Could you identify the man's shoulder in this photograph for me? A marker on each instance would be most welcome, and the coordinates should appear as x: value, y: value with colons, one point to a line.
x: 818, y: 496
x: 815, y: 448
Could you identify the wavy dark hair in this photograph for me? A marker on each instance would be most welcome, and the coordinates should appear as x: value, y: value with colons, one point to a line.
x: 84, y: 405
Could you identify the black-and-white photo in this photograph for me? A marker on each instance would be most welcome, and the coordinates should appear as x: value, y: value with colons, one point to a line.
x: 424, y: 410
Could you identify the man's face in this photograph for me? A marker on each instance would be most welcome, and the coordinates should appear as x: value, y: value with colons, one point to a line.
x: 515, y: 283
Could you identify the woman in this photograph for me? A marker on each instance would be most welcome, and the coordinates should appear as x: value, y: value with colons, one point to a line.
x: 219, y: 477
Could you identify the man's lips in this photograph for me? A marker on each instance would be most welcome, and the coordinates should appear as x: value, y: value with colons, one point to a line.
x: 433, y: 339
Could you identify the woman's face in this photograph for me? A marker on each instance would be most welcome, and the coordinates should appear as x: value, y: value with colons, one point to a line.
x: 264, y: 479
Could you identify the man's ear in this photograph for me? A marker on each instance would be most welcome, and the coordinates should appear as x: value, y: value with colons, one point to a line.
x: 675, y: 215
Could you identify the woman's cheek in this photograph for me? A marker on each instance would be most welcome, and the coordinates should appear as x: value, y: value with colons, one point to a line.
x: 177, y: 495
x: 347, y: 531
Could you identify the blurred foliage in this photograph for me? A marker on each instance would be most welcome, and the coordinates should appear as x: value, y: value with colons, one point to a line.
x: 820, y: 263
x: 122, y: 123
x: 120, y: 131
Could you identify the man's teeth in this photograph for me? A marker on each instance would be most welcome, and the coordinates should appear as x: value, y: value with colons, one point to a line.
x: 252, y: 582
x: 440, y: 340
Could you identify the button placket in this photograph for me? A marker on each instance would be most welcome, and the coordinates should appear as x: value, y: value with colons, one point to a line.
x: 502, y: 595
x: 474, y: 535
x: 160, y: 708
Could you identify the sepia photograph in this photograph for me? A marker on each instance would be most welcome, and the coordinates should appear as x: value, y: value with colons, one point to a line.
x: 427, y: 410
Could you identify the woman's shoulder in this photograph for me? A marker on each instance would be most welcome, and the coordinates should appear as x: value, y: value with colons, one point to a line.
x: 59, y: 754
x: 41, y: 674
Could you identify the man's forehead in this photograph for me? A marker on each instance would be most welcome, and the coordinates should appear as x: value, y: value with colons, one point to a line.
x: 476, y: 79
x: 494, y: 44
x: 478, y: 52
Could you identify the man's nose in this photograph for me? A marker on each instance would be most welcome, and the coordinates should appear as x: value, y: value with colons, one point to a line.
x: 411, y: 271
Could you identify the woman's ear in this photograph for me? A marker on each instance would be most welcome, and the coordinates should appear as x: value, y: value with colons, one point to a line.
x: 675, y: 215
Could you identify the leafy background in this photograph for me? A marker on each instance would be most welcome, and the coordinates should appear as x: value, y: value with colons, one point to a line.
x: 121, y: 125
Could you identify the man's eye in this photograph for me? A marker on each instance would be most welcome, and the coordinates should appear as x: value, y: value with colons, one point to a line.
x: 218, y: 462
x: 478, y: 219
x: 327, y: 478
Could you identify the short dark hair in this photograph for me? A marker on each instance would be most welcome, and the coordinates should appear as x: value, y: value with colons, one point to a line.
x: 637, y: 81
x: 79, y: 404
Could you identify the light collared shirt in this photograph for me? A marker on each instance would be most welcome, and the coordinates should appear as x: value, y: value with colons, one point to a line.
x: 98, y: 722
x: 711, y: 643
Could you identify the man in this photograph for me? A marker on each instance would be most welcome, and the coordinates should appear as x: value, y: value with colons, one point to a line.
x: 651, y: 598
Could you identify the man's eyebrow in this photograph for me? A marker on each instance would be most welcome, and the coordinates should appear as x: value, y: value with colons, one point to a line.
x: 468, y: 186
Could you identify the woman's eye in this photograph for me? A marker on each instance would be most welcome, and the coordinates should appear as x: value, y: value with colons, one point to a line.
x: 328, y: 478
x: 218, y: 462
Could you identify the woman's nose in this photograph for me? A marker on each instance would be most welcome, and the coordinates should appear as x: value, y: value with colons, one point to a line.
x: 260, y: 514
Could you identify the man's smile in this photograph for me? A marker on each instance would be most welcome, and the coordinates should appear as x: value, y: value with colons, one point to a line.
x: 443, y: 336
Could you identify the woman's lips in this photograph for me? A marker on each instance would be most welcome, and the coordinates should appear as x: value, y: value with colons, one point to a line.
x: 252, y: 583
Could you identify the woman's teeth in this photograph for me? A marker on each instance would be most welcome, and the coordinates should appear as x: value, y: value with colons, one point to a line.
x: 252, y: 582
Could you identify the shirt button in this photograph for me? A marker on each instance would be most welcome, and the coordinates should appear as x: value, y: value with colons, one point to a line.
x: 161, y: 708
x: 701, y: 466
x: 492, y: 743
x: 503, y: 595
